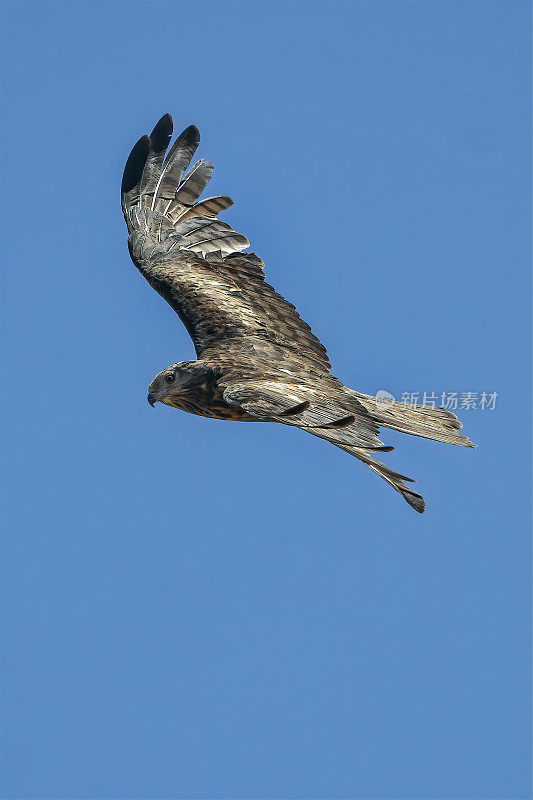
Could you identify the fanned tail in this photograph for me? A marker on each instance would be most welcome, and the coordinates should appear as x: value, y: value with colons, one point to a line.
x: 429, y: 422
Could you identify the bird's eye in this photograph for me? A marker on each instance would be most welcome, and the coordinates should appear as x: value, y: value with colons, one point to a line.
x: 169, y: 377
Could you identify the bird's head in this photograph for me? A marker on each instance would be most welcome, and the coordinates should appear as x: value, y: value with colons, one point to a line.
x: 178, y: 383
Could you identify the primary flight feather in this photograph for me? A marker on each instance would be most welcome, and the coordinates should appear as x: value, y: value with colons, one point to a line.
x: 257, y: 360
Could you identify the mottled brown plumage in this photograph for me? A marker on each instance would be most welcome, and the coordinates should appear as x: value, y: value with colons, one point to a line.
x: 257, y: 359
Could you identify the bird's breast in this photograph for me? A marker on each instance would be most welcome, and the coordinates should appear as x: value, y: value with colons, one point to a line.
x: 206, y: 402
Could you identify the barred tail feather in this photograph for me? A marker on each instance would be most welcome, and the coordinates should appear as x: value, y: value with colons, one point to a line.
x: 426, y: 421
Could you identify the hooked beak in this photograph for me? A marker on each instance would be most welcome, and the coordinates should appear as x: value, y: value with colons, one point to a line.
x: 152, y: 398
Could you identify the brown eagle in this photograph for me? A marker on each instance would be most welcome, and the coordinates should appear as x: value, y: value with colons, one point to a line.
x: 258, y: 361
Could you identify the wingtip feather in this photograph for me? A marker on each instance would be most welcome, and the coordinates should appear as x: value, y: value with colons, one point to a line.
x: 162, y: 133
x: 135, y: 164
x: 190, y: 137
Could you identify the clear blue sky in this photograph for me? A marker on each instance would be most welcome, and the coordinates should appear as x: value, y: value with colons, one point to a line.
x: 200, y: 609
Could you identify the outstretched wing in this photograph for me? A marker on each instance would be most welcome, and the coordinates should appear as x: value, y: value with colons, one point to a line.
x: 197, y: 263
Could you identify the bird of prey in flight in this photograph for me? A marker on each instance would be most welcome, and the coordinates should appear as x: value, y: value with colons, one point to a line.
x: 257, y: 360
